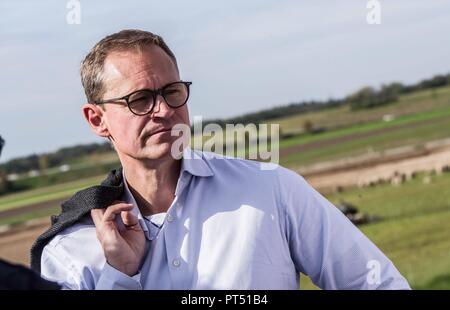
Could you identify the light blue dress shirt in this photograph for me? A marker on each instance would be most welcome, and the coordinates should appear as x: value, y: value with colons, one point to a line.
x: 232, y: 225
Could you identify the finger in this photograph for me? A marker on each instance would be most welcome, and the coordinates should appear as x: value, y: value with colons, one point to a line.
x: 117, y: 201
x: 114, y: 210
x: 130, y: 220
x: 97, y: 215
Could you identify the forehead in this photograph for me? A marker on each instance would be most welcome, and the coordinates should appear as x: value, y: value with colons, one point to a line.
x: 149, y: 67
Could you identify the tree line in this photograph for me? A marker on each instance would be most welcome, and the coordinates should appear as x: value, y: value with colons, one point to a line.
x: 53, y: 159
x: 364, y: 98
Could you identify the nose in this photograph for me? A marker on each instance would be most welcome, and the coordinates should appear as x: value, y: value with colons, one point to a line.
x: 162, y: 109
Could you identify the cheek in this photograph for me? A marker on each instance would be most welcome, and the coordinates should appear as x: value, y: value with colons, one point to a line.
x: 126, y: 132
x: 182, y: 115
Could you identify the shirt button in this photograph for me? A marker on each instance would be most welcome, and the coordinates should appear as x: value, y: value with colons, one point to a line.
x: 176, y: 262
x: 169, y: 218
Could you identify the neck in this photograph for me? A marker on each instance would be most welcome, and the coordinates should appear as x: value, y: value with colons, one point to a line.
x: 152, y: 184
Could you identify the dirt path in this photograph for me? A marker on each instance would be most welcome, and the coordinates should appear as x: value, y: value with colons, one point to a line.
x: 394, y: 172
x: 15, y: 244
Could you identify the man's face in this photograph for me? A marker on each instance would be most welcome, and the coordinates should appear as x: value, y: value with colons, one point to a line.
x: 134, y: 136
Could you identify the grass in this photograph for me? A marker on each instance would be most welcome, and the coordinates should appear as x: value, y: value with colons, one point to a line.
x: 430, y: 120
x: 414, y: 129
x: 46, y: 193
x: 418, y: 133
x: 31, y: 215
x: 436, y: 114
x: 414, y: 230
x: 85, y: 170
x: 415, y: 103
x: 339, y: 121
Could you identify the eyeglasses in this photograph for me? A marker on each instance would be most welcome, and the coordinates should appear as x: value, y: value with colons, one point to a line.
x: 142, y: 102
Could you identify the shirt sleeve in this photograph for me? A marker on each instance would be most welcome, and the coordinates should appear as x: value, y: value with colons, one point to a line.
x: 113, y: 279
x: 58, y: 267
x: 326, y: 246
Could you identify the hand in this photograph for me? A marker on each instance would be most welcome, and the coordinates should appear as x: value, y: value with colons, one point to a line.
x: 125, y: 249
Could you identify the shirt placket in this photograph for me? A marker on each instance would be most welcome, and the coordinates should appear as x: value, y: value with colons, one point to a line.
x: 174, y: 235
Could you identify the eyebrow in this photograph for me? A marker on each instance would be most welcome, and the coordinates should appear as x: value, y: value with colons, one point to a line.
x: 152, y: 89
x: 136, y: 90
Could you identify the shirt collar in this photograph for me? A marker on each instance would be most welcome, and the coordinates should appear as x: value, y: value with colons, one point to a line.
x: 192, y: 161
x: 195, y: 163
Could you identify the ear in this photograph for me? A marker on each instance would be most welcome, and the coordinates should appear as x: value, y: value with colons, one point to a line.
x: 95, y: 117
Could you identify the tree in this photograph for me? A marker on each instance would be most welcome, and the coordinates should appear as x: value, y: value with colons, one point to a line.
x: 368, y: 97
x: 363, y: 98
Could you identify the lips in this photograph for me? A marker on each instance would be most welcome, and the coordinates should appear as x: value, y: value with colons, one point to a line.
x: 161, y: 130
x: 158, y: 131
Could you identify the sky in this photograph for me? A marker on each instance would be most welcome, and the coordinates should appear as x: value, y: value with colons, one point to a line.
x: 242, y: 56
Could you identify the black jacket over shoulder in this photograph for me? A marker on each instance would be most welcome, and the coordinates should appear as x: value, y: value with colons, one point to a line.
x: 77, y: 207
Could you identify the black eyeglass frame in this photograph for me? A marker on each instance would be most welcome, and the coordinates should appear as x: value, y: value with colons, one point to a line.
x: 154, y: 92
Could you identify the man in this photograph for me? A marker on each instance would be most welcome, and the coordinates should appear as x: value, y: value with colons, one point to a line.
x: 199, y: 222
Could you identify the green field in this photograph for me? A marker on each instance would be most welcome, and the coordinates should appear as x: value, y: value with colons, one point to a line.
x: 414, y: 228
x: 414, y: 103
x: 418, y: 118
x: 407, y: 130
x: 46, y: 193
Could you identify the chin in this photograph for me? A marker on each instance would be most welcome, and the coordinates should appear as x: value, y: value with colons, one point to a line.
x: 159, y: 151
